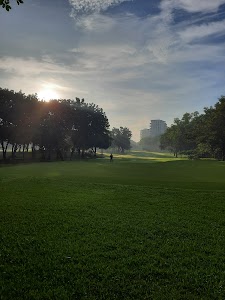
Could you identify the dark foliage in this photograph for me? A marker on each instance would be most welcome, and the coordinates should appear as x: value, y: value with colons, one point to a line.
x: 55, y: 127
x: 198, y: 135
x: 6, y: 4
x: 121, y: 138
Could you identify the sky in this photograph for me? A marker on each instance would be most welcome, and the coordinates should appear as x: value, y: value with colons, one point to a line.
x: 137, y: 59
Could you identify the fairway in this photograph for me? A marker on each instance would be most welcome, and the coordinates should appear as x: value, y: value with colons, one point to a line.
x: 145, y: 226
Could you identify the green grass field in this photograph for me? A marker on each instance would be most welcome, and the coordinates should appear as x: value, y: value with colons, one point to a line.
x: 147, y: 226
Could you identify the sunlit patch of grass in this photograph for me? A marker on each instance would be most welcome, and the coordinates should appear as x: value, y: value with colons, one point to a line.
x: 152, y: 154
x: 145, y: 156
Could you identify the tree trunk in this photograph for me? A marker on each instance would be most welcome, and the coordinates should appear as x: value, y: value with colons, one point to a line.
x: 23, y: 150
x: 33, y: 151
x: 43, y: 154
x: 49, y: 154
x: 4, y: 150
x: 14, y: 149
x: 72, y: 152
x: 59, y: 154
x: 223, y: 154
x: 4, y: 155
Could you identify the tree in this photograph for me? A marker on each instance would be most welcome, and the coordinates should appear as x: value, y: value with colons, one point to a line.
x: 213, y: 133
x: 90, y: 127
x: 198, y: 135
x: 171, y: 139
x: 7, y: 122
x: 56, y: 127
x: 180, y: 137
x: 6, y: 4
x: 99, y: 129
x: 121, y: 138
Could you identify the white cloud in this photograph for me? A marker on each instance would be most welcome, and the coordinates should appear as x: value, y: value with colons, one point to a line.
x: 142, y: 55
x: 96, y: 23
x: 198, y: 54
x: 130, y: 42
x: 92, y: 6
x: 22, y: 66
x: 201, y: 31
x: 192, y: 5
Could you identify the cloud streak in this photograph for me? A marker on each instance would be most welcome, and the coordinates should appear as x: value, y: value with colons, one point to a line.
x: 92, y: 6
x: 192, y: 6
x: 202, y: 31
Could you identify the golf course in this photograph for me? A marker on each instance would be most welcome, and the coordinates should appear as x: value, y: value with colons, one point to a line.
x: 144, y: 226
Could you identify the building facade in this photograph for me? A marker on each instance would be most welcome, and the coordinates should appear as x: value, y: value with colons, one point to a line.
x: 144, y: 133
x: 157, y: 127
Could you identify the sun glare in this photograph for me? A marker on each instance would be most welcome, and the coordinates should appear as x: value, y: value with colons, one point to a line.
x: 47, y: 94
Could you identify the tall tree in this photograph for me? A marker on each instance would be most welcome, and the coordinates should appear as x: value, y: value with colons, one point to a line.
x: 121, y: 138
x: 54, y: 127
x: 214, y: 122
x: 7, y: 122
x: 179, y: 137
x: 90, y: 127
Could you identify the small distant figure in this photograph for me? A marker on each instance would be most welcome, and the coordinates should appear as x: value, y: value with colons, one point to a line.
x: 111, y: 157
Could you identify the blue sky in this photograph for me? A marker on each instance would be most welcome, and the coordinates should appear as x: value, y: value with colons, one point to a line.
x: 137, y: 59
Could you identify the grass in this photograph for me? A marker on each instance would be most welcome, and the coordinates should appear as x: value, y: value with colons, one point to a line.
x: 121, y: 230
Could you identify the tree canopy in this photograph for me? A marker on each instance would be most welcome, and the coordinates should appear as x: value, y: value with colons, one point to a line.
x: 57, y: 126
x: 121, y: 138
x: 198, y: 134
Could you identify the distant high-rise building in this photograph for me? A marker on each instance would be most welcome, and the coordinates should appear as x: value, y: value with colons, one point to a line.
x: 157, y: 127
x: 144, y: 133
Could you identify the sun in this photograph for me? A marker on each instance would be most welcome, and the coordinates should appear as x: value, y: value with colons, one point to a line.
x: 47, y: 94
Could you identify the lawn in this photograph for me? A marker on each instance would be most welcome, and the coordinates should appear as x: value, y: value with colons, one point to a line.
x: 147, y: 226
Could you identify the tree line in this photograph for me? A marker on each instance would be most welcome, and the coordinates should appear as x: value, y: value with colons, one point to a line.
x: 57, y: 127
x: 198, y: 135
